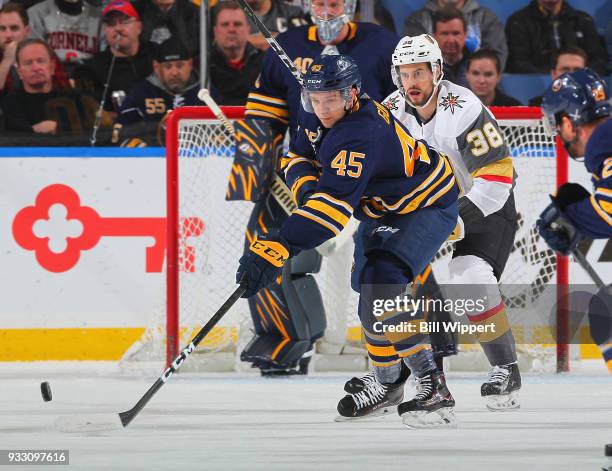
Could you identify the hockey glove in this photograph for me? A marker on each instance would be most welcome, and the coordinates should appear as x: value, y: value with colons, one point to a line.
x: 570, y: 193
x: 263, y: 263
x: 558, y: 232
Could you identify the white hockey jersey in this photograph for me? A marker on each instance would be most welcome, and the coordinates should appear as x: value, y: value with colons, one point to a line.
x: 464, y: 129
x: 73, y: 38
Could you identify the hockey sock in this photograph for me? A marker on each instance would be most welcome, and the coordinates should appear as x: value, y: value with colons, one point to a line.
x: 421, y: 363
x: 498, y: 343
x: 388, y: 374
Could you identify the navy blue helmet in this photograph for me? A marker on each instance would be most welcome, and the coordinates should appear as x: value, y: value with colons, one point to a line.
x: 582, y: 96
x: 330, y: 72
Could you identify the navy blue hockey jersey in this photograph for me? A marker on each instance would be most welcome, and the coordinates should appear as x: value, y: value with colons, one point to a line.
x: 367, y: 164
x: 148, y: 100
x: 593, y: 216
x: 276, y: 94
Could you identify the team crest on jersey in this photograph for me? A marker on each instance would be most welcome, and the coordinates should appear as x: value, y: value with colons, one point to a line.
x: 392, y: 103
x: 451, y: 101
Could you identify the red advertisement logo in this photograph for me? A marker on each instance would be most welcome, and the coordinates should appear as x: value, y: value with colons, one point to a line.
x: 93, y: 228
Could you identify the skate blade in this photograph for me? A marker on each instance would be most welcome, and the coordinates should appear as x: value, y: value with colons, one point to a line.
x: 378, y: 413
x: 503, y: 403
x: 441, y: 418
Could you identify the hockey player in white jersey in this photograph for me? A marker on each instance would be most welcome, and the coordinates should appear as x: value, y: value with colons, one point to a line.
x: 453, y: 120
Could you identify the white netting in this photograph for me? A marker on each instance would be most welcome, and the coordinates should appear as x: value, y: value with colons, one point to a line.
x: 212, y: 241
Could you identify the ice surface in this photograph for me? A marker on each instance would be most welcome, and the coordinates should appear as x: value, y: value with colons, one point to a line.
x: 244, y: 422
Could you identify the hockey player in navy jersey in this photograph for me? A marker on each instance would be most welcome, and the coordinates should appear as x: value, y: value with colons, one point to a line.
x: 577, y: 108
x: 351, y: 157
x: 285, y: 333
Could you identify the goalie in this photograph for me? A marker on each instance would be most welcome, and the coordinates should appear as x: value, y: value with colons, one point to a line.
x: 363, y: 162
x: 577, y: 107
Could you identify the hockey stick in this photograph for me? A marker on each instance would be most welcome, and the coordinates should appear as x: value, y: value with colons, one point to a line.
x: 127, y: 416
x: 584, y: 263
x: 124, y: 418
x: 280, y: 52
x: 100, y: 111
x: 279, y: 189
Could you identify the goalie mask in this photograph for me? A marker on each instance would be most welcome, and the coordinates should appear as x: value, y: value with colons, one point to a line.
x: 330, y: 16
x: 330, y: 73
x: 417, y: 50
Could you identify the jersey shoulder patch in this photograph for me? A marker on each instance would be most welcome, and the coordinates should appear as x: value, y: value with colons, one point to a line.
x: 458, y: 108
x: 394, y: 101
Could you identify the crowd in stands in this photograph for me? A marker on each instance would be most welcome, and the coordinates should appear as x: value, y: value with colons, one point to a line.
x: 59, y: 59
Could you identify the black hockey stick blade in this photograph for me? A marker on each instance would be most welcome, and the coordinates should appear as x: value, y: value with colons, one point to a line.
x: 127, y: 416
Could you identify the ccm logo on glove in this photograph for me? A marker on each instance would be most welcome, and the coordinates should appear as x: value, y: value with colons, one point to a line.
x: 271, y: 251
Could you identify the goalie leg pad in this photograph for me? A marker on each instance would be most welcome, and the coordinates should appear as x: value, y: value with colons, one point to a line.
x: 289, y: 311
x: 273, y: 354
x: 255, y: 160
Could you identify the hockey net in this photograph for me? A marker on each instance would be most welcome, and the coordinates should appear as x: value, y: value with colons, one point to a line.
x: 206, y: 239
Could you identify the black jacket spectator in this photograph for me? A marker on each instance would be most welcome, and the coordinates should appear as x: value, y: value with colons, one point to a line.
x: 501, y: 99
x: 181, y: 21
x: 533, y: 36
x: 230, y: 84
x: 68, y: 108
x: 484, y: 28
x: 456, y: 73
x: 91, y: 77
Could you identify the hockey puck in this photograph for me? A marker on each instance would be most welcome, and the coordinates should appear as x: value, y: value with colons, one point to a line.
x: 608, y: 449
x: 45, y: 390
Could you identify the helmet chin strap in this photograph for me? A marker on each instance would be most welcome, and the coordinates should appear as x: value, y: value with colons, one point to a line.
x: 417, y: 107
x: 436, y: 86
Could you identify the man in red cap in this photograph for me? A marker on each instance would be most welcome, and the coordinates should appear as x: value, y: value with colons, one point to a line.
x: 132, y: 58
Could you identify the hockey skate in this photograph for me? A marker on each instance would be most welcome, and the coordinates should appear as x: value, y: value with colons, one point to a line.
x: 356, y: 385
x: 369, y: 397
x: 501, y: 391
x: 432, y: 406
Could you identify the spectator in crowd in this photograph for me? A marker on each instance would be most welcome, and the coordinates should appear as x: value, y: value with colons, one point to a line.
x: 164, y: 18
x: 483, y: 76
x: 569, y: 59
x: 39, y: 107
x: 277, y: 15
x: 449, y: 30
x: 14, y: 28
x: 483, y: 28
x: 379, y: 15
x: 234, y: 62
x: 133, y: 58
x: 70, y: 27
x: 544, y: 26
x: 171, y: 85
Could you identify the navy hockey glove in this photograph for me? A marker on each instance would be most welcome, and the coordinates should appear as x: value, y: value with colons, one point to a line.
x: 263, y: 263
x: 558, y: 232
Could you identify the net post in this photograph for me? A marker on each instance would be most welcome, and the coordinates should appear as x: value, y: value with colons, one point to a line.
x: 172, y: 236
x: 562, y: 275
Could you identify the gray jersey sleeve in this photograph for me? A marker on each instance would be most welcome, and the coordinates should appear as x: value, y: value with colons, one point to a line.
x: 482, y: 143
